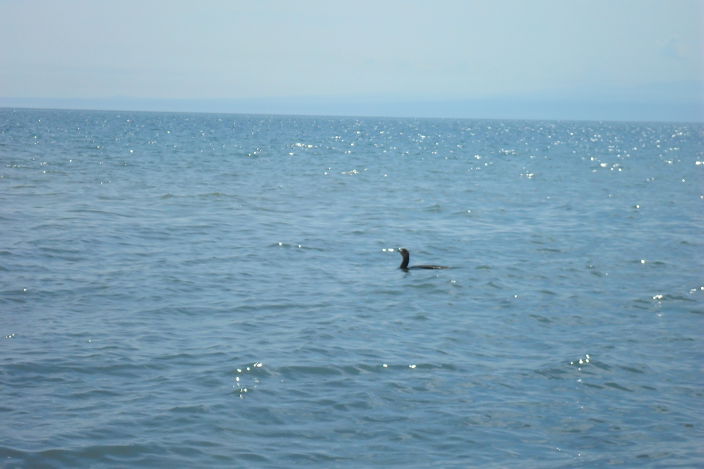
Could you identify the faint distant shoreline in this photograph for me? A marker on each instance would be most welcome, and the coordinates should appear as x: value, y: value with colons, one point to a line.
x: 488, y: 108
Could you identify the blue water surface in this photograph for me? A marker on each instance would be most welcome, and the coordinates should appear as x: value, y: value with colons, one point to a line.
x: 201, y: 290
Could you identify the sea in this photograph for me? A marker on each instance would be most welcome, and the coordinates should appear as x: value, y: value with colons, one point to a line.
x: 222, y: 290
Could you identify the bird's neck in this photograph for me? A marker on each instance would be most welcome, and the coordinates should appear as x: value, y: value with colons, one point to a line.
x: 404, y: 263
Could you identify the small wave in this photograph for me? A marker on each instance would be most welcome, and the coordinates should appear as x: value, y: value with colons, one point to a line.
x: 93, y: 211
x: 632, y: 369
x: 541, y: 318
x: 250, y: 377
x: 247, y: 377
x: 661, y: 297
x: 282, y: 244
x: 581, y: 361
x: 553, y: 373
x: 95, y: 394
x: 620, y: 387
x: 434, y: 208
x: 215, y: 195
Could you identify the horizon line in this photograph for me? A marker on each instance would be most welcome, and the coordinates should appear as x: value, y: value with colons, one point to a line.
x: 498, y: 108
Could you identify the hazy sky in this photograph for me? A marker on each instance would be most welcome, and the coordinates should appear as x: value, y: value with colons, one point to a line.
x: 396, y: 49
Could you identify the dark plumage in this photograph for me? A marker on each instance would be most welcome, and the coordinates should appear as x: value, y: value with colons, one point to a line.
x: 407, y: 256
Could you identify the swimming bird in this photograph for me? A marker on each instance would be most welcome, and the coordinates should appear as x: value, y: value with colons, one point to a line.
x: 407, y: 256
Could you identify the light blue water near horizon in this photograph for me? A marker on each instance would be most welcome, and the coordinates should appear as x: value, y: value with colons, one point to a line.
x: 208, y: 290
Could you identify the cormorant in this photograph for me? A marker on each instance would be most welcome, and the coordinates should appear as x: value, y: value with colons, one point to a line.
x: 407, y: 256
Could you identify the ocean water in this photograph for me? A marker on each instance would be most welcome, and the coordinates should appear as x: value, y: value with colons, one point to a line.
x: 199, y: 290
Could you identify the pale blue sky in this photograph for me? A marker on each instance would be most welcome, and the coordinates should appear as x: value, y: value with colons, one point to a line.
x: 372, y: 51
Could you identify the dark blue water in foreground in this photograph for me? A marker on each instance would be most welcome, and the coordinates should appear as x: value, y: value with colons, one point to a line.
x: 222, y: 291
